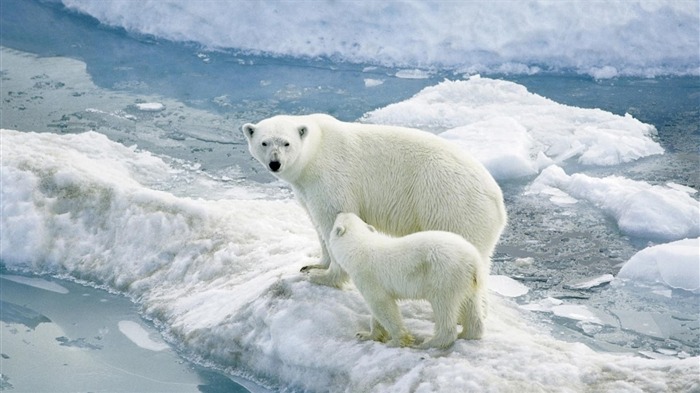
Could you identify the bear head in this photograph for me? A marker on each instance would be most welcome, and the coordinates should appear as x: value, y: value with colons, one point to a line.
x: 349, y: 223
x: 278, y: 143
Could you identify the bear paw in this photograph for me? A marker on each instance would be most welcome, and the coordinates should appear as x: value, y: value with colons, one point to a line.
x: 323, y: 278
x: 309, y: 268
x: 372, y: 336
x: 404, y: 340
x: 436, y: 342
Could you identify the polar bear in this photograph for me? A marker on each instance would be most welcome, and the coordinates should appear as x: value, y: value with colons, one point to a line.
x: 441, y: 267
x: 399, y: 180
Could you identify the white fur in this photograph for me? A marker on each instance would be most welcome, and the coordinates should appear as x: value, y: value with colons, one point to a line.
x: 438, y: 266
x: 399, y: 180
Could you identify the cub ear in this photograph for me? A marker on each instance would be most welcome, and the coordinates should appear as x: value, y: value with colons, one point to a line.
x: 248, y: 129
x: 371, y: 228
x: 303, y: 130
x: 339, y: 230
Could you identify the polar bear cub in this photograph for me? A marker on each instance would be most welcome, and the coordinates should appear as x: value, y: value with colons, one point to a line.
x: 437, y: 266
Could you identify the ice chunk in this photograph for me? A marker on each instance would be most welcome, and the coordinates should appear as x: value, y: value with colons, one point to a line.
x: 544, y: 305
x: 675, y: 264
x: 506, y: 286
x: 592, y: 282
x: 576, y: 312
x: 150, y: 107
x: 413, y: 74
x: 369, y: 82
x: 641, y: 209
x: 641, y: 322
x: 36, y: 283
x: 139, y: 336
x: 516, y: 133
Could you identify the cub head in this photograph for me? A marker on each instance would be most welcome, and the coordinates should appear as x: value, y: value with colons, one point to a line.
x: 349, y: 223
x: 278, y: 143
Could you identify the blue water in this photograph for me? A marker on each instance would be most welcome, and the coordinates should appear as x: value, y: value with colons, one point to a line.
x: 248, y: 88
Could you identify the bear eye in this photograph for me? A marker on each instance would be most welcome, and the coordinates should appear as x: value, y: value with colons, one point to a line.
x: 264, y: 144
x: 286, y: 144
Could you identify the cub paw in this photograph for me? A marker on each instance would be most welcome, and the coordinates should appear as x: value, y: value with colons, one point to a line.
x: 404, y: 340
x: 371, y: 336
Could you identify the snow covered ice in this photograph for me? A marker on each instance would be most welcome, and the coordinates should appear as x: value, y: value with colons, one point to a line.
x: 673, y: 264
x: 223, y: 277
x: 604, y: 40
x: 131, y: 175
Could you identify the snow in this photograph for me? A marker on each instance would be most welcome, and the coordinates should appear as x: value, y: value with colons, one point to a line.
x: 675, y: 264
x: 139, y: 336
x: 640, y: 209
x: 515, y: 133
x: 222, y: 279
x: 601, y: 39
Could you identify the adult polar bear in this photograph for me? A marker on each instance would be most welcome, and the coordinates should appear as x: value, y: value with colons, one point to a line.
x: 399, y: 180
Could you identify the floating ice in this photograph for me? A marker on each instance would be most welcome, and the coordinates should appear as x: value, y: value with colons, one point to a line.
x: 150, y: 106
x: 516, y: 133
x: 369, y: 82
x: 675, y: 264
x: 139, y: 336
x: 506, y: 286
x: 222, y: 277
x: 36, y: 283
x: 576, y: 312
x: 641, y: 209
x: 543, y: 305
x: 592, y: 282
x: 413, y: 74
x: 598, y: 38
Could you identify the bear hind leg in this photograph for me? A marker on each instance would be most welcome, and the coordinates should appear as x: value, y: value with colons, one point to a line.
x: 471, y: 318
x: 445, y: 312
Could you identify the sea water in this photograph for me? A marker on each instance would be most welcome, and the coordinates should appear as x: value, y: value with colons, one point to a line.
x: 598, y: 163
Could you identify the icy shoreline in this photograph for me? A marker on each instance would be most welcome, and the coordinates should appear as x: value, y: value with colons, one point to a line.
x: 604, y: 40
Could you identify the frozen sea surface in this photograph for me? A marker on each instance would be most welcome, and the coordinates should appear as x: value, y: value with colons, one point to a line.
x: 128, y: 172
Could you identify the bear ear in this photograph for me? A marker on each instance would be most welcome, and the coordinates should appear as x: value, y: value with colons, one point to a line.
x: 371, y: 228
x: 339, y: 230
x: 248, y: 129
x: 303, y: 130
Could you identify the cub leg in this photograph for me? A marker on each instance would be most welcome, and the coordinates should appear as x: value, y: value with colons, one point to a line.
x: 471, y: 318
x: 386, y: 312
x: 446, y: 313
x: 376, y: 333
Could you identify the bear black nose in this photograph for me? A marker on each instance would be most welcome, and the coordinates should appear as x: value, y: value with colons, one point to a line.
x: 275, y: 166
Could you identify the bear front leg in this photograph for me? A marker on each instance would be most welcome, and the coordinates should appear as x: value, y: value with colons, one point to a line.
x: 328, y: 273
x: 325, y: 261
x: 386, y: 312
x: 334, y: 276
